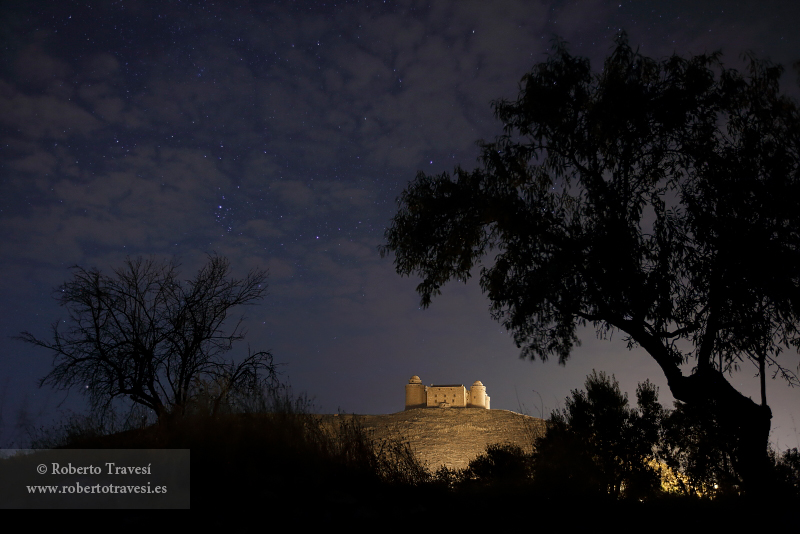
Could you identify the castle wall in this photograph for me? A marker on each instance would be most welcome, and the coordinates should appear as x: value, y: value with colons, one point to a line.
x: 456, y: 395
x: 450, y: 395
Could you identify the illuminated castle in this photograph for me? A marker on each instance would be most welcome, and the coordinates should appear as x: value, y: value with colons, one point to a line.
x: 445, y: 396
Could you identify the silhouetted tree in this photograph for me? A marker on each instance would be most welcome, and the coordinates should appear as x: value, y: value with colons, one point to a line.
x: 657, y: 198
x: 144, y: 335
x: 502, y: 466
x: 697, y: 446
x: 599, y: 444
x: 787, y: 467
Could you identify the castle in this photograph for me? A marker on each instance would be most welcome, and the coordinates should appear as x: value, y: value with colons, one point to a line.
x: 445, y: 396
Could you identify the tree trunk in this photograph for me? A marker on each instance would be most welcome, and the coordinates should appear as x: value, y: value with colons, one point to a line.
x: 745, y: 423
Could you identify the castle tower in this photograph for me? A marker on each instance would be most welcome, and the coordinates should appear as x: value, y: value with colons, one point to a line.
x: 477, y: 395
x: 416, y: 396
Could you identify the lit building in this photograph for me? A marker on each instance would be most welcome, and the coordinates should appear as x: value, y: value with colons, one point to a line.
x: 419, y: 395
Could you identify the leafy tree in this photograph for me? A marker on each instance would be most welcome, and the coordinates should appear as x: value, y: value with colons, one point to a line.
x: 600, y: 445
x: 143, y: 335
x: 657, y: 198
x: 787, y: 467
x: 503, y: 465
x: 696, y: 445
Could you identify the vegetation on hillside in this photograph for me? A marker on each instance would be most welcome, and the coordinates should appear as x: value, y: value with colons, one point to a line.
x: 272, y: 450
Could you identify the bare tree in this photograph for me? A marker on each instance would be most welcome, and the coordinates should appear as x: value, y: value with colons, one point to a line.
x: 144, y: 335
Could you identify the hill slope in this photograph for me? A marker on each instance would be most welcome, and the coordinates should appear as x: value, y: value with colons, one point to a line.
x: 451, y: 437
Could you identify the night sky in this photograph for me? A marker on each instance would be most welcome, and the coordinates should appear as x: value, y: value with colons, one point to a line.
x: 279, y: 134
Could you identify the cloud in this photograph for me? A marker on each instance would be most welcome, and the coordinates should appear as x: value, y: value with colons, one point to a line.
x: 43, y: 116
x: 36, y: 68
x: 294, y: 193
x: 260, y: 228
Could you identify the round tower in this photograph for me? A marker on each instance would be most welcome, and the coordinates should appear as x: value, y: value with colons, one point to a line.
x: 415, y: 393
x: 477, y: 395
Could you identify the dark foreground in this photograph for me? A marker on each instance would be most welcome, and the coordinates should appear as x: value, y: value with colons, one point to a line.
x: 266, y: 471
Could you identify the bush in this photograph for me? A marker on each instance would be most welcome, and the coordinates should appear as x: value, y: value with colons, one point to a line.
x: 503, y: 466
x: 280, y: 454
x: 698, y: 448
x: 598, y: 445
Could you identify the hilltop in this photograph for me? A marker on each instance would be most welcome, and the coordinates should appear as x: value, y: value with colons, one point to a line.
x: 450, y: 437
